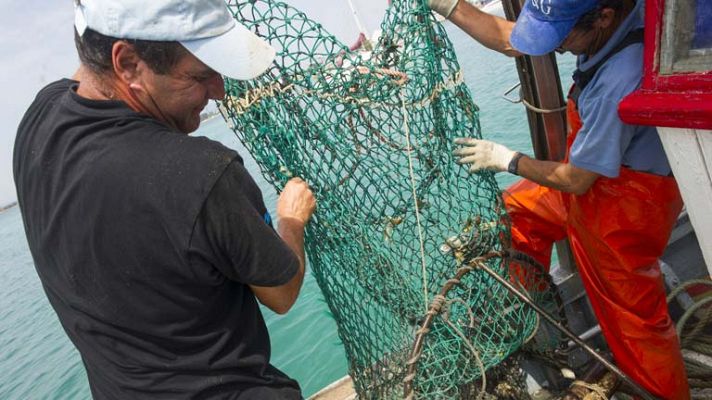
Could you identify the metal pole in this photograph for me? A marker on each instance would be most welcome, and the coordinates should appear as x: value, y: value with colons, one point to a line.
x: 611, y: 367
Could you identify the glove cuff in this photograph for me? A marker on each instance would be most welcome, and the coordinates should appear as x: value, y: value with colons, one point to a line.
x: 443, y: 7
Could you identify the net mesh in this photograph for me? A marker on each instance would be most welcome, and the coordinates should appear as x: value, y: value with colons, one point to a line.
x: 371, y: 132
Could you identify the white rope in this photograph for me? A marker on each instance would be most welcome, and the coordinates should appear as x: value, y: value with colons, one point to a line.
x: 541, y: 110
x: 406, y: 129
x: 360, y: 26
x: 597, y: 392
x: 241, y: 105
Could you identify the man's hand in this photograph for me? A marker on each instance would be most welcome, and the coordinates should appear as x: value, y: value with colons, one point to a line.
x: 296, y: 201
x: 295, y: 206
x: 483, y: 154
x: 442, y: 7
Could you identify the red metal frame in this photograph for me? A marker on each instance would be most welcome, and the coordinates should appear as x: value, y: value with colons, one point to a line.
x: 677, y: 100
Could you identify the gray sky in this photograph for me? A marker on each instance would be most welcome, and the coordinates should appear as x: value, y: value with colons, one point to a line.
x: 38, y: 48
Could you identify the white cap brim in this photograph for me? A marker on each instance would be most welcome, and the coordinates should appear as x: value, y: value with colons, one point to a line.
x: 238, y: 53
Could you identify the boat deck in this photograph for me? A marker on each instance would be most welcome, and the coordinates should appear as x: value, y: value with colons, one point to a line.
x: 343, y: 389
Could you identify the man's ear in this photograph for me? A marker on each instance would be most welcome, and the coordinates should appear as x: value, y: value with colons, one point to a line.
x: 127, y: 64
x: 608, y: 15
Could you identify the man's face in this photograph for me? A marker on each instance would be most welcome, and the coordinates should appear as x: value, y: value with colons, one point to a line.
x: 177, y: 98
x: 591, y: 39
x: 577, y: 42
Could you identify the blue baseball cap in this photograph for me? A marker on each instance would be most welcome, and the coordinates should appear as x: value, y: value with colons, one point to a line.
x: 544, y: 24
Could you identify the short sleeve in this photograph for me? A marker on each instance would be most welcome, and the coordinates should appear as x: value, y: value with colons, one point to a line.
x: 234, y: 234
x: 602, y: 143
x: 603, y: 139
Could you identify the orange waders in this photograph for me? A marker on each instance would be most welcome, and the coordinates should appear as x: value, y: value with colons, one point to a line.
x: 617, y: 231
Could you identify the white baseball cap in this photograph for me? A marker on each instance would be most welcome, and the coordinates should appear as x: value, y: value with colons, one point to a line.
x: 206, y: 28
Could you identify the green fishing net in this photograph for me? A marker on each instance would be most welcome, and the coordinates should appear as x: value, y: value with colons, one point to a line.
x: 371, y: 132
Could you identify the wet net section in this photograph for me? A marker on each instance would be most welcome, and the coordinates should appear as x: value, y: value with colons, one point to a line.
x: 397, y: 219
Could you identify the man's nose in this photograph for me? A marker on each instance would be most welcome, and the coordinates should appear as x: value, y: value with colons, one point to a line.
x: 216, y: 87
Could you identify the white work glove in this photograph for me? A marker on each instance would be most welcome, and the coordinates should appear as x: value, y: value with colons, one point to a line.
x: 483, y: 154
x: 442, y: 7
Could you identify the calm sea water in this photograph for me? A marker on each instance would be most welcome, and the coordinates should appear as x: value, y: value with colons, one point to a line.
x: 37, y: 359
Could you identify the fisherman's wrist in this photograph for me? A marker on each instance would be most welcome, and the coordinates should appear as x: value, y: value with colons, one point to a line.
x: 513, y: 167
x: 292, y: 221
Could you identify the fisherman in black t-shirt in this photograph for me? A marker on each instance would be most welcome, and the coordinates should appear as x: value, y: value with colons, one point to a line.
x: 153, y: 246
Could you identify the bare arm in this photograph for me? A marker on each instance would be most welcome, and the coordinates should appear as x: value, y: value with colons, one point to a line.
x: 564, y: 177
x: 281, y: 298
x: 295, y: 206
x: 491, y: 31
x: 481, y: 154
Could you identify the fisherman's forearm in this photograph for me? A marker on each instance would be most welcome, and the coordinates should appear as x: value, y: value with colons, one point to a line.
x: 491, y: 31
x: 560, y: 176
x: 291, y: 231
x: 280, y: 299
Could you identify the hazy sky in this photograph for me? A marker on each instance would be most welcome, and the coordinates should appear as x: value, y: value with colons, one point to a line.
x: 37, y: 47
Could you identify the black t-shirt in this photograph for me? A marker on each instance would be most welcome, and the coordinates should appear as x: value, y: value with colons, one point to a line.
x: 145, y: 240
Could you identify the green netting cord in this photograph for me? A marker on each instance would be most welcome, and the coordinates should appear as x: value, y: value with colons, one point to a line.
x: 372, y: 134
